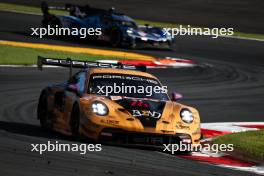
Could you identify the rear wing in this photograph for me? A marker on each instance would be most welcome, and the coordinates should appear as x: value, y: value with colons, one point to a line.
x: 75, y: 9
x: 84, y: 64
x: 45, y: 7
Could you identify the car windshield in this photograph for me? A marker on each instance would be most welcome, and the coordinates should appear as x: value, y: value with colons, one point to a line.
x: 127, y: 23
x: 106, y: 84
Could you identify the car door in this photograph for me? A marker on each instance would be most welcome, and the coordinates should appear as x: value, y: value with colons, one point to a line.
x: 66, y: 96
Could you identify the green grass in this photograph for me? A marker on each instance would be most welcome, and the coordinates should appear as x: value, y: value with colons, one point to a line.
x: 26, y: 9
x: 11, y: 55
x: 251, y: 143
x: 29, y: 9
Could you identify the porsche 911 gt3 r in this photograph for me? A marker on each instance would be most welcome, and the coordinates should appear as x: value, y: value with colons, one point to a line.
x: 77, y: 107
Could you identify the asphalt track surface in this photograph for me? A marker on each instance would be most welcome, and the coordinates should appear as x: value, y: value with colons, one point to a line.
x: 229, y: 87
x: 242, y: 15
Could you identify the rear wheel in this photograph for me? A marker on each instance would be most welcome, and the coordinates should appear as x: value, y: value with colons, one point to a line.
x: 43, y: 113
x: 75, y: 120
x: 51, y: 20
x: 115, y: 37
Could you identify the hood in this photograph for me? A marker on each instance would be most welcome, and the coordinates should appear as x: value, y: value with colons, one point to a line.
x: 146, y: 110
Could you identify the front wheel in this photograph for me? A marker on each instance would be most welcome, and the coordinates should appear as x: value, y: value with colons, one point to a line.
x: 115, y: 37
x: 75, y: 120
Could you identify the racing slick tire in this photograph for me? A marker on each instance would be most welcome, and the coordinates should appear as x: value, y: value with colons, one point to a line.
x: 48, y: 19
x: 133, y: 45
x: 43, y: 113
x: 171, y: 45
x: 75, y: 120
x: 115, y: 37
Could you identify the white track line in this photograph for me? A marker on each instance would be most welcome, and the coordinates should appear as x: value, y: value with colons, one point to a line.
x: 232, y: 127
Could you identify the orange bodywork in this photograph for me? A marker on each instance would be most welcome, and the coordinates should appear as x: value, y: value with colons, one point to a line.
x: 92, y: 125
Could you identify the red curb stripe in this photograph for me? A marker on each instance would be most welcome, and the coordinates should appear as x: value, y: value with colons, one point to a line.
x: 213, y: 133
x: 174, y: 60
x: 157, y: 62
x: 138, y: 62
x: 224, y: 160
x: 252, y: 126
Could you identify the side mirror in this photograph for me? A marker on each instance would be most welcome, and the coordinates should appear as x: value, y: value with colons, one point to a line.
x: 176, y: 96
x: 72, y: 88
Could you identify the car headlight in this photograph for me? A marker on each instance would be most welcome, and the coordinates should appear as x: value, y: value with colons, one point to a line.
x: 144, y: 38
x: 130, y: 31
x: 186, y: 115
x: 100, y: 108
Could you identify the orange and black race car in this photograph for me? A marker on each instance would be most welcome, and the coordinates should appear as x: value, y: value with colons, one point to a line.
x: 116, y: 103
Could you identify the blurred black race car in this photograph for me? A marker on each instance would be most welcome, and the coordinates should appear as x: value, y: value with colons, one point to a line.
x: 117, y: 29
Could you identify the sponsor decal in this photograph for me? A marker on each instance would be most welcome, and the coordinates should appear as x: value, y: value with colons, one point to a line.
x: 139, y: 104
x: 146, y: 113
x: 182, y: 126
x: 110, y: 122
